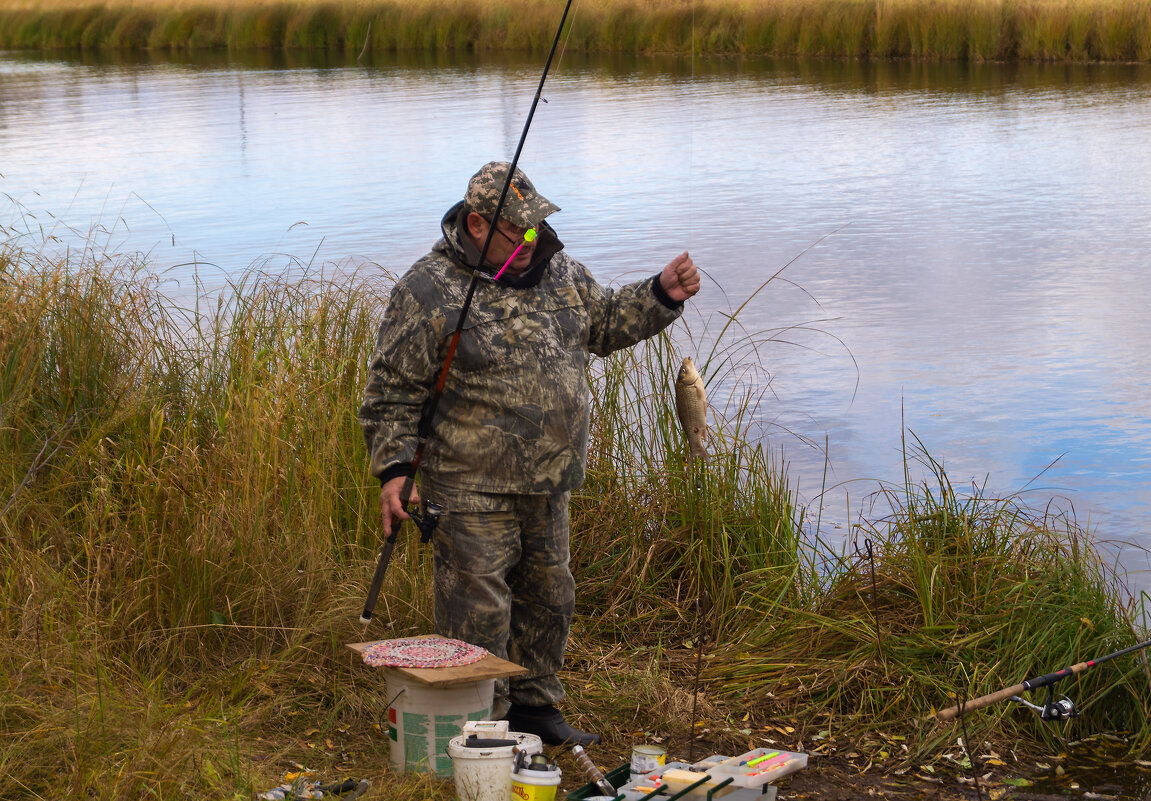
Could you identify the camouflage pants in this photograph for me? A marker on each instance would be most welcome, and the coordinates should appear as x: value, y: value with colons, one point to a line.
x: 502, y: 581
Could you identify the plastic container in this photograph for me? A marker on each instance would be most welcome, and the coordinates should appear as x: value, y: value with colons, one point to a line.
x: 757, y: 768
x: 485, y: 774
x: 422, y: 720
x: 535, y: 785
x: 674, y: 779
x: 646, y: 758
x: 486, y: 728
x: 678, y: 780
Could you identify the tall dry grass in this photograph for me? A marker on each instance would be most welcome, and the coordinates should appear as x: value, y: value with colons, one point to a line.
x: 975, y: 30
x: 184, y: 515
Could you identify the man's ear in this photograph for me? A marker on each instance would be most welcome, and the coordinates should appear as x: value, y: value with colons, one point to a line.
x: 476, y: 224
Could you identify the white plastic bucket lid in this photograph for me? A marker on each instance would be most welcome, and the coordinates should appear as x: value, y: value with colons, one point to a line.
x: 528, y: 743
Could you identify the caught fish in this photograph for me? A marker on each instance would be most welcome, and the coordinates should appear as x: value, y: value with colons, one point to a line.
x: 691, y: 406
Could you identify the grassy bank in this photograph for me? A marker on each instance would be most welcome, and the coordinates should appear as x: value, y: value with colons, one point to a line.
x: 187, y: 530
x: 978, y: 30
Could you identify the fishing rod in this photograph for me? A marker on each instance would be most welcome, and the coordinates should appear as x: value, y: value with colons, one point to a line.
x: 427, y: 520
x: 1052, y: 709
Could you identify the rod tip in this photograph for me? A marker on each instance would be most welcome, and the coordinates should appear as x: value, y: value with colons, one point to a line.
x: 366, y: 618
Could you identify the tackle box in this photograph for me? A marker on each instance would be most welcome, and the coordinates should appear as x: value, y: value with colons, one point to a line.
x: 745, y: 777
x: 754, y: 768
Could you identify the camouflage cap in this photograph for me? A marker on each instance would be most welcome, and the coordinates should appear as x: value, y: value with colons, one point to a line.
x: 523, y: 207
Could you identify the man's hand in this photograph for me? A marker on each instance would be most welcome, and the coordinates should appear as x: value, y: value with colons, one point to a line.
x: 680, y: 278
x: 391, y: 508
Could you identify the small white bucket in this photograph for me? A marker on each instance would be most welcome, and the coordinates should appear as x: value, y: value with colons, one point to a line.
x: 535, y: 785
x: 485, y: 774
x: 422, y: 720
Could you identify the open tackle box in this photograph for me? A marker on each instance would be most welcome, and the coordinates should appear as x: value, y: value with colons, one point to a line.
x: 746, y: 777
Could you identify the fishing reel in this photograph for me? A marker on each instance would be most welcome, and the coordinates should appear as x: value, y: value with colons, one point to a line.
x: 427, y: 519
x: 1051, y: 709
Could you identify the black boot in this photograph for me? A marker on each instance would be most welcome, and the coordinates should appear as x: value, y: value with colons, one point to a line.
x: 547, y: 723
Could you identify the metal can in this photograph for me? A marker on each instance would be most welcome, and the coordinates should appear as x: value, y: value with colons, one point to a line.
x: 647, y: 758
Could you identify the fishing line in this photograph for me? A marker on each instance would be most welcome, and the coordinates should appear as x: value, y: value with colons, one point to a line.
x: 967, y: 747
x: 427, y: 521
x: 564, y: 49
x: 691, y: 139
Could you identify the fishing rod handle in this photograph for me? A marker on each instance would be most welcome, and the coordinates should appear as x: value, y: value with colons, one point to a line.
x: 1003, y: 695
x: 389, y: 546
x: 1051, y: 678
x: 982, y: 701
x: 378, y: 579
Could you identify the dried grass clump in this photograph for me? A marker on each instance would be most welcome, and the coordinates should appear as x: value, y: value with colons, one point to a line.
x: 962, y: 594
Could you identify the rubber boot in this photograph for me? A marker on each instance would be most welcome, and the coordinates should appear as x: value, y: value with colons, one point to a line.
x: 547, y: 723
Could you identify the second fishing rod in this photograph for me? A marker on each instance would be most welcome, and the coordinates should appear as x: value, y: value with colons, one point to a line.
x: 1053, y: 709
x: 427, y: 518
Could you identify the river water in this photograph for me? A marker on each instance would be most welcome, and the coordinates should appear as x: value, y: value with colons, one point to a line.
x: 968, y: 244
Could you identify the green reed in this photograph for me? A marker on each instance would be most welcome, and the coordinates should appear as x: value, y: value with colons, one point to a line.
x: 974, y: 30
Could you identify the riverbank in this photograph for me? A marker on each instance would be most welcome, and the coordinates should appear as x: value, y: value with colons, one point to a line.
x: 979, y: 30
x: 188, y: 529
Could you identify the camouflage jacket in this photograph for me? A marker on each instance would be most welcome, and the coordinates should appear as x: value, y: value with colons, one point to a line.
x: 513, y: 417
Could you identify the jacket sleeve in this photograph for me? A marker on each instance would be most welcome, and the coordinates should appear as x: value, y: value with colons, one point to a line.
x: 401, y: 372
x: 623, y: 317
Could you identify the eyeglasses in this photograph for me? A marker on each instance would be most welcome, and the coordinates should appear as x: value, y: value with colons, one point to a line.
x: 517, y: 239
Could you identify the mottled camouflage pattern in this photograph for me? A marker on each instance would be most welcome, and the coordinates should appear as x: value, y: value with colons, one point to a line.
x: 523, y: 207
x: 510, y: 435
x: 514, y: 414
x: 502, y: 581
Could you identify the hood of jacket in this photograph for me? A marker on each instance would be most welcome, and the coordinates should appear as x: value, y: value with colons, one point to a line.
x: 459, y: 248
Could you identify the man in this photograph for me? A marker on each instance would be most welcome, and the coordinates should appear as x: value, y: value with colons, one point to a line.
x: 510, y: 432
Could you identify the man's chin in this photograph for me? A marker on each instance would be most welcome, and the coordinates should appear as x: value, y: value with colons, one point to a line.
x: 516, y: 270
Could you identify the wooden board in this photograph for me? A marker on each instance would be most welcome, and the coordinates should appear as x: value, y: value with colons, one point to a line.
x: 490, y: 667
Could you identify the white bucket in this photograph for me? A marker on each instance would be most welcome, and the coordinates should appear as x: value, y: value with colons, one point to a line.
x: 422, y: 720
x: 485, y: 774
x: 535, y: 785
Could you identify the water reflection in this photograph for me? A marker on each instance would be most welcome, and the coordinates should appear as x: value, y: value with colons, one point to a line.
x: 983, y: 285
x: 823, y: 75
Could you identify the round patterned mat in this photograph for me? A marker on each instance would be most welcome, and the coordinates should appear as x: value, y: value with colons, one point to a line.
x: 422, y: 652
